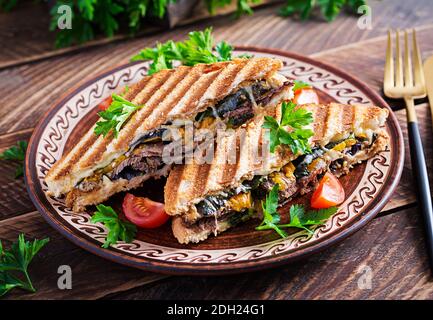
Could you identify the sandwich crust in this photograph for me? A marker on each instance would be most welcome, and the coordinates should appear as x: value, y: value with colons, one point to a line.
x: 189, y: 184
x: 167, y: 95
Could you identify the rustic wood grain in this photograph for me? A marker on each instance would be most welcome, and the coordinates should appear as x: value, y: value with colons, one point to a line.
x: 392, y: 246
x: 92, y: 277
x: 25, y: 37
x: 404, y: 193
x: 14, y: 199
x: 369, y: 56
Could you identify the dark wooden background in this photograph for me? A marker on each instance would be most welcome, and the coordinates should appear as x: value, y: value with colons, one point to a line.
x: 33, y: 75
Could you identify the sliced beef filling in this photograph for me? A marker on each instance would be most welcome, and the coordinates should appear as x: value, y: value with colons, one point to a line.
x: 238, y: 107
x: 146, y: 159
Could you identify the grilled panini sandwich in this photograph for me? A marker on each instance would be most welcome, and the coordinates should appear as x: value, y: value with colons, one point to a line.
x: 210, y: 198
x: 230, y: 92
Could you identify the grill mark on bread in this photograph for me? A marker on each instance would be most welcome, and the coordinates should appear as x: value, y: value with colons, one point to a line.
x: 181, y: 89
x: 232, y: 175
x: 229, y: 169
x: 348, y: 116
x: 151, y: 104
x: 202, y: 175
x: 320, y: 116
x: 189, y: 102
x: 77, y: 153
x: 223, y: 82
x: 326, y: 121
x: 136, y: 88
x: 173, y: 179
x: 149, y: 92
x: 97, y: 151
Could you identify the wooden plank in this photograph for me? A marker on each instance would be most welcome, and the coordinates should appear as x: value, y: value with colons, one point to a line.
x: 390, y: 249
x: 366, y: 60
x: 92, y: 277
x: 27, y: 26
x: 14, y: 199
x: 27, y: 91
x: 405, y: 193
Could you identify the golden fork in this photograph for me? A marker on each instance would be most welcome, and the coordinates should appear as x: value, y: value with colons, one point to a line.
x: 409, y: 85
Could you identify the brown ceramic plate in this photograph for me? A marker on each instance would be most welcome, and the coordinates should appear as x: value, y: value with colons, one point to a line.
x: 368, y: 187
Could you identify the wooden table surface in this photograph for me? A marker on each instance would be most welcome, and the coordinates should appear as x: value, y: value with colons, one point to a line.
x: 33, y: 76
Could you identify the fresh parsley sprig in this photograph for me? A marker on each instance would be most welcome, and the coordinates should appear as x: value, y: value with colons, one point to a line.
x: 298, y: 217
x: 300, y: 85
x: 115, y: 116
x: 117, y: 228
x: 293, y: 119
x: 198, y: 48
x: 16, y: 153
x: 14, y: 264
x: 330, y: 9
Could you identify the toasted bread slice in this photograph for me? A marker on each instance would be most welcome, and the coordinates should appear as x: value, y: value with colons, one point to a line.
x: 78, y: 200
x: 189, y: 184
x: 180, y: 93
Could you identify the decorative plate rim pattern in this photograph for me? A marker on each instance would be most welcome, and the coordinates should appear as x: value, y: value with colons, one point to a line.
x: 51, y: 134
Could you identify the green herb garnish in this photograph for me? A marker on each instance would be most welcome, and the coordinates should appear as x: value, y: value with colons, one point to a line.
x: 14, y: 264
x: 115, y: 116
x: 198, y: 48
x: 330, y: 9
x: 271, y: 218
x: 294, y: 120
x: 117, y: 228
x: 300, y: 85
x: 16, y: 153
x: 298, y: 217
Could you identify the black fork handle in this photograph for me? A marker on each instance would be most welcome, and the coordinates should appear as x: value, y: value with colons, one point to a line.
x: 423, y: 195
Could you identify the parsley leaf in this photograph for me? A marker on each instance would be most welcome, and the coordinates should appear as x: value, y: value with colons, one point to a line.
x: 16, y: 261
x: 117, y: 228
x: 115, y: 116
x: 224, y: 50
x: 293, y: 119
x: 271, y: 218
x: 300, y: 85
x: 212, y: 5
x: 7, y: 5
x: 244, y: 8
x: 16, y: 153
x: 330, y: 9
x: 298, y: 217
x: 198, y: 48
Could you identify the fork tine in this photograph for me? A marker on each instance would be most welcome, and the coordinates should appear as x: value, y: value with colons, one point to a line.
x: 398, y: 65
x: 408, y: 82
x: 388, y: 80
x: 418, y: 72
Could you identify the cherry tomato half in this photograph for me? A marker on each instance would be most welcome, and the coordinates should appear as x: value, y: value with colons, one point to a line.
x: 105, y: 104
x: 306, y: 95
x: 144, y: 212
x: 329, y: 193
